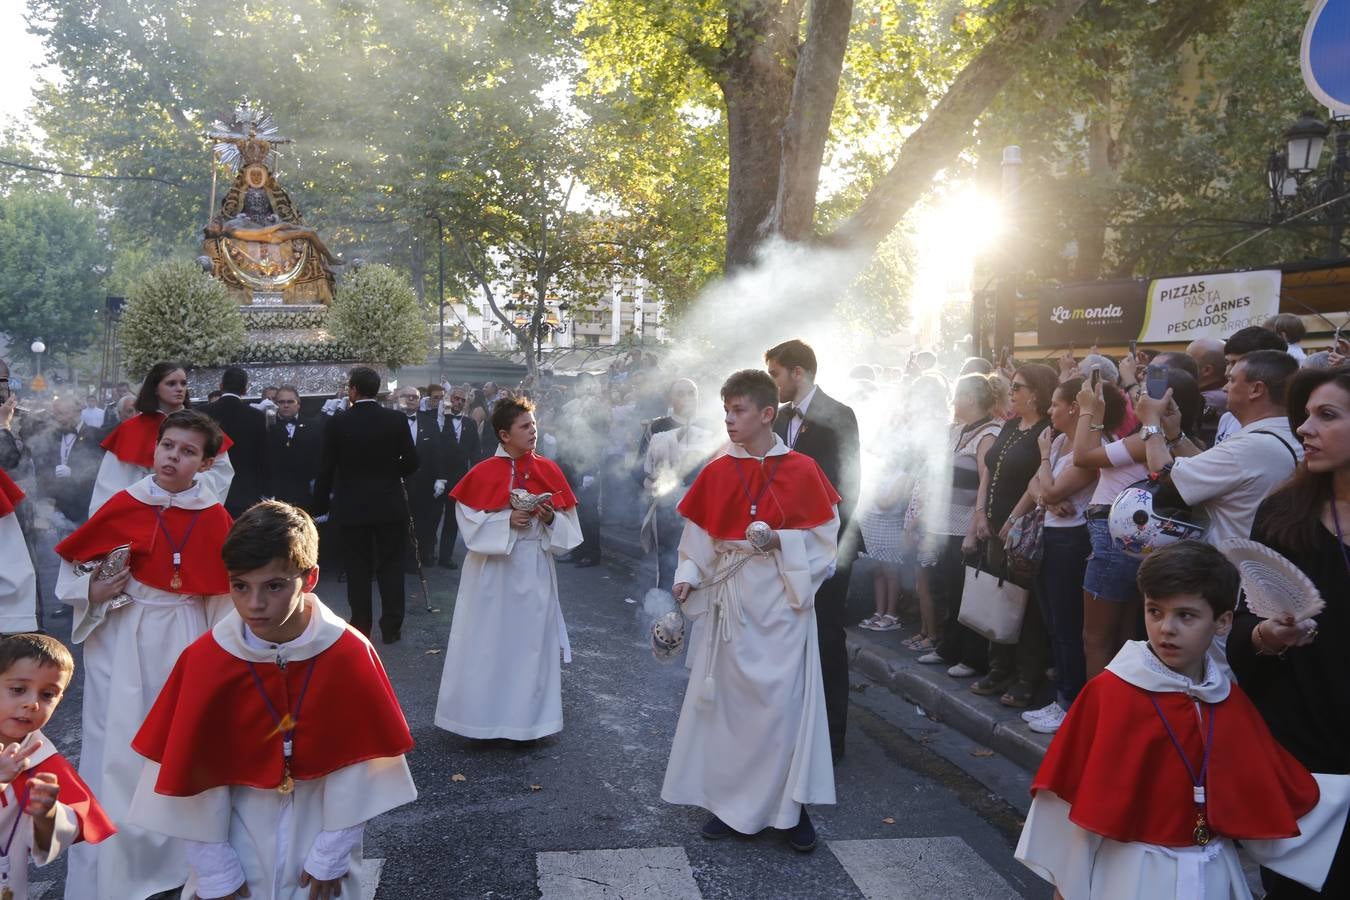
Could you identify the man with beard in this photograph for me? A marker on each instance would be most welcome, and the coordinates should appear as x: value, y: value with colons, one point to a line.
x: 813, y: 423
x: 66, y: 458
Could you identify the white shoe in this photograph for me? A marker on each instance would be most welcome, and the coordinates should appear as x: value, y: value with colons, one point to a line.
x: 886, y: 623
x: 931, y: 658
x: 961, y: 670
x: 1034, y: 714
x: 870, y: 623
x: 1049, y: 723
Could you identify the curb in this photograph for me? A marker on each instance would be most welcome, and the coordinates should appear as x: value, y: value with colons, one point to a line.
x: 945, y: 699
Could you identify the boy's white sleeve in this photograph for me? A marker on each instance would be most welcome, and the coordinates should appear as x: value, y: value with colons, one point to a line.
x: 565, y: 532
x: 65, y: 831
x: 1307, y: 858
x: 698, y: 563
x: 219, y: 476
x: 1056, y: 849
x: 113, y: 476
x: 72, y: 589
x: 488, y: 533
x: 805, y: 558
x: 204, y: 817
x: 358, y: 793
x: 217, y: 867
x: 330, y: 855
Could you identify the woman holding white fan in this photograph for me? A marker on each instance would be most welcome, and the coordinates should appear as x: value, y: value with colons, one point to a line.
x: 1299, y: 677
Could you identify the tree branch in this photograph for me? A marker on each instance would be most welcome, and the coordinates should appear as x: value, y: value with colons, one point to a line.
x: 944, y: 132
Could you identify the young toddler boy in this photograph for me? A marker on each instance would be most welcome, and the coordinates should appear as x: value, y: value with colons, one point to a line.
x: 1162, y: 763
x: 45, y: 806
x: 278, y: 735
x: 753, y: 745
x: 133, y: 627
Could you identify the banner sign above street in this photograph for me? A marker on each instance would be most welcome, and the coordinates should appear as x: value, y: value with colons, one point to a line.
x: 1215, y: 305
x: 1325, y: 55
x: 1094, y: 312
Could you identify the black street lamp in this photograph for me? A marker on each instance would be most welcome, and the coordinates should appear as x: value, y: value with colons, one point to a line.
x: 1294, y: 192
x: 440, y: 283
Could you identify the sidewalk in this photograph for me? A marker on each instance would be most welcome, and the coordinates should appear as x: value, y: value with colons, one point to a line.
x: 880, y: 656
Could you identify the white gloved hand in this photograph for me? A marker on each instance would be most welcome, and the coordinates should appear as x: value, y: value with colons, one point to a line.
x: 587, y: 481
x: 439, y: 487
x: 63, y: 471
x: 319, y: 520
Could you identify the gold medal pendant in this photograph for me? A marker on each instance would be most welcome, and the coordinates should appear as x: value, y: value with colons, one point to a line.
x: 6, y: 893
x: 285, y: 789
x: 174, y: 584
x: 1201, y: 832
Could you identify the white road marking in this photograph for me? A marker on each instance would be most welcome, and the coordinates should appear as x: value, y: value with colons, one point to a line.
x: 658, y: 873
x: 920, y: 868
x: 370, y: 878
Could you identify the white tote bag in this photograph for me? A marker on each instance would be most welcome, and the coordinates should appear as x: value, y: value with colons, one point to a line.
x: 992, y: 607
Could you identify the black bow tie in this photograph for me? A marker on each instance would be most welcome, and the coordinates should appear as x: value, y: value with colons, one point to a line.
x: 412, y: 417
x: 797, y: 413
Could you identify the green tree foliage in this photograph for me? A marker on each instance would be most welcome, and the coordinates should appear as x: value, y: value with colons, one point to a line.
x: 50, y: 269
x: 375, y: 313
x: 176, y: 311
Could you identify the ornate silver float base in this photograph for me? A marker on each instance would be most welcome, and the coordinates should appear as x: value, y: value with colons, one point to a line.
x: 319, y: 379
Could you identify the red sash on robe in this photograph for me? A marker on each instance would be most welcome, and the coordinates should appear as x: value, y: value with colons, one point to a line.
x: 126, y: 520
x: 800, y: 497
x: 211, y: 728
x: 487, y: 486
x: 95, y: 825
x: 134, y: 440
x: 1115, y: 766
x: 10, y: 494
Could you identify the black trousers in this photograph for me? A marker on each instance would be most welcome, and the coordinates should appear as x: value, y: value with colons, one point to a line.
x: 449, y: 525
x: 957, y: 644
x: 588, y: 512
x: 375, y: 552
x: 831, y: 615
x: 425, y: 512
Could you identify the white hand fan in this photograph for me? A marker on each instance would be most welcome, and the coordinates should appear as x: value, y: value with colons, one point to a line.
x: 1274, y: 586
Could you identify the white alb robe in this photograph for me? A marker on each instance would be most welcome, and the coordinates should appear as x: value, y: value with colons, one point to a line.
x: 18, y: 581
x: 502, y: 675
x: 753, y: 744
x: 1087, y: 866
x: 128, y: 655
x: 22, y: 850
x: 115, y: 475
x: 271, y: 835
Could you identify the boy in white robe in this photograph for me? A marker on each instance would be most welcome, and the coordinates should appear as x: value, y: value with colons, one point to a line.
x: 752, y: 745
x: 502, y: 675
x: 44, y: 806
x: 1162, y: 763
x: 278, y: 735
x: 133, y: 627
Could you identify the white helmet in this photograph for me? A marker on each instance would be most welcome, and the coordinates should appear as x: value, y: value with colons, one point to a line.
x: 1138, y: 527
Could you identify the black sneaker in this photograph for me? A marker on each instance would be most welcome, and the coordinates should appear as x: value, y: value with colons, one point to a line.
x: 715, y: 829
x: 802, y: 837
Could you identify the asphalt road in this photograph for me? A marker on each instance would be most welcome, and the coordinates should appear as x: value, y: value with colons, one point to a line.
x: 921, y: 811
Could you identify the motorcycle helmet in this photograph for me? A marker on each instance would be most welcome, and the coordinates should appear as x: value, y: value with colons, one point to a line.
x: 1139, y: 526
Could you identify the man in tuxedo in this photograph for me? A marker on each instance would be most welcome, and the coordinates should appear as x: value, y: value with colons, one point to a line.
x: 293, y: 446
x: 425, y: 485
x: 66, y: 458
x: 459, y: 452
x: 814, y: 423
x: 247, y: 428
x: 367, y: 452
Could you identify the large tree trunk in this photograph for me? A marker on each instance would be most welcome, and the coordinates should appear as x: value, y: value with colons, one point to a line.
x: 756, y: 82
x: 1097, y: 205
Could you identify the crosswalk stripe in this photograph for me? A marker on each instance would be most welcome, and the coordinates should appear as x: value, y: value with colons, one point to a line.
x: 370, y: 878
x: 658, y: 873
x: 924, y: 867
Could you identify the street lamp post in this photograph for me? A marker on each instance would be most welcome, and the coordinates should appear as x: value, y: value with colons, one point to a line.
x: 1294, y: 192
x: 440, y: 284
x: 38, y: 349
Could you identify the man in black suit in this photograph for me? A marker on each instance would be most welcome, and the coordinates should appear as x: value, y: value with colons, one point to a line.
x: 66, y: 458
x: 813, y: 423
x: 459, y: 452
x: 425, y: 485
x: 247, y: 428
x: 293, y: 447
x: 367, y: 452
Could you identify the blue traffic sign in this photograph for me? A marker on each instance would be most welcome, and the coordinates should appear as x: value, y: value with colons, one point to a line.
x: 1325, y: 57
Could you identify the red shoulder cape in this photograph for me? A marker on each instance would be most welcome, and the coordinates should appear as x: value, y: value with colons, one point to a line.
x: 10, y: 494
x: 95, y: 825
x: 211, y: 728
x: 1115, y: 766
x: 487, y: 486
x: 133, y: 441
x: 799, y: 497
x: 126, y: 520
